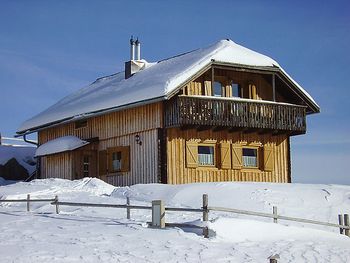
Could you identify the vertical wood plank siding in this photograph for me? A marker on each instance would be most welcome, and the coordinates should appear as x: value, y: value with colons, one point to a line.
x: 57, y: 165
x: 113, y: 129
x: 178, y: 173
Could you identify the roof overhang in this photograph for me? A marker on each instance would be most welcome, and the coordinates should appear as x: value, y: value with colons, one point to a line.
x: 89, y: 115
x: 312, y: 107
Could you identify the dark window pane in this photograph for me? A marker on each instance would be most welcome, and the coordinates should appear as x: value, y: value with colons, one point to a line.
x: 206, y: 155
x: 117, y: 161
x: 250, y: 157
x: 236, y: 90
x: 217, y: 89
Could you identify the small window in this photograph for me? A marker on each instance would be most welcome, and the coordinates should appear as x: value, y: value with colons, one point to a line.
x: 236, y: 90
x: 117, y: 161
x: 206, y: 155
x: 86, y: 165
x: 250, y: 157
x: 217, y: 89
x: 80, y: 124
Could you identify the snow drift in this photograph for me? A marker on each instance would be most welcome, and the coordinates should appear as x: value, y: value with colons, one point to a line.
x: 105, y: 235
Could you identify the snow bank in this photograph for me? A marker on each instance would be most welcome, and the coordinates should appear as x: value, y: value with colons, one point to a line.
x: 61, y: 144
x: 319, y: 202
x: 239, y: 230
x: 90, y: 234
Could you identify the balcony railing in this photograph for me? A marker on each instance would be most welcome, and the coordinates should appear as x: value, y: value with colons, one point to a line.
x: 235, y: 113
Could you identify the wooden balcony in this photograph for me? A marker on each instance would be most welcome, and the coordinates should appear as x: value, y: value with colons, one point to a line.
x: 235, y: 114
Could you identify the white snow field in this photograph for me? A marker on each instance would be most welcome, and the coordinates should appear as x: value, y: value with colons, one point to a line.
x: 105, y: 235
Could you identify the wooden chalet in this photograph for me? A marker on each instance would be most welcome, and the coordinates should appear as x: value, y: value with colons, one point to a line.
x: 221, y: 113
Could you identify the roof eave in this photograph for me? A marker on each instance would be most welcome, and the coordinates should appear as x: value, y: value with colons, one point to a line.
x: 258, y: 69
x: 89, y: 115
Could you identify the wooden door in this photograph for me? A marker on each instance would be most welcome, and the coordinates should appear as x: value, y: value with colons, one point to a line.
x: 85, y: 164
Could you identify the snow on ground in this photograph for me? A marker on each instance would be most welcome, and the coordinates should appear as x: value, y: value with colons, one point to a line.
x: 105, y: 235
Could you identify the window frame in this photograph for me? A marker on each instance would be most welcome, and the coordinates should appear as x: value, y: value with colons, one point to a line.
x: 257, y: 148
x: 86, y: 164
x: 124, y: 164
x: 221, y: 89
x: 214, y: 154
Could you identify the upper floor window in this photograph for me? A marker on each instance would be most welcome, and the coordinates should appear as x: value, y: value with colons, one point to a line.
x: 236, y: 90
x: 217, y: 89
x: 80, y: 124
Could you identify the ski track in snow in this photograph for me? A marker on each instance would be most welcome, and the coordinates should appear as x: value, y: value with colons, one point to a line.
x: 105, y: 235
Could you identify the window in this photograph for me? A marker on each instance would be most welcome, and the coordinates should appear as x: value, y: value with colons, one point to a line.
x: 80, y: 124
x: 217, y: 89
x: 118, y: 159
x: 206, y: 155
x: 86, y: 165
x: 250, y: 157
x: 200, y: 154
x: 236, y: 90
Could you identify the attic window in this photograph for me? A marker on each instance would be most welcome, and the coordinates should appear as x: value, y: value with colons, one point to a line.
x: 80, y: 124
x: 217, y: 89
x: 236, y: 90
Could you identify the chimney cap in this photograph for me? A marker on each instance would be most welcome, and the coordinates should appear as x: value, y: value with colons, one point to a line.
x: 137, y: 41
x: 132, y: 42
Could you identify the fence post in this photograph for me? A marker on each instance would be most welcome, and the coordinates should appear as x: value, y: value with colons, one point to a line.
x: 56, y: 203
x: 205, y: 208
x: 347, y: 223
x: 158, y: 214
x: 274, y: 211
x: 274, y: 258
x: 28, y: 200
x: 128, y: 209
x: 340, y: 221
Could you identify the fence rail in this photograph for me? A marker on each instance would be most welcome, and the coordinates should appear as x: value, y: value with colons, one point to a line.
x: 275, y: 216
x: 344, y: 225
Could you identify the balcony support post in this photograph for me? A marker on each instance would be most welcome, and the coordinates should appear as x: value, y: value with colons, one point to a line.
x: 212, y: 80
x: 273, y: 87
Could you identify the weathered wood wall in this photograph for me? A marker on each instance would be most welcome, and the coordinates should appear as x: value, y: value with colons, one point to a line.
x: 113, y: 129
x: 111, y: 125
x: 202, y: 85
x: 178, y: 173
x: 57, y: 166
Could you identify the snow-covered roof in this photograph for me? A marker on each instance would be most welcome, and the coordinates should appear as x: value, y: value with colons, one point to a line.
x: 156, y: 81
x: 61, y: 144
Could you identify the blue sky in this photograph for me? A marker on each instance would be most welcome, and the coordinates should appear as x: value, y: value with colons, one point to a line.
x: 49, y: 49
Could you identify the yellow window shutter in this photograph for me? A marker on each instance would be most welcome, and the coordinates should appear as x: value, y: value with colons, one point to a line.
x: 236, y: 156
x: 225, y: 155
x: 207, y: 86
x: 268, y: 158
x: 102, y: 162
x: 125, y: 158
x: 191, y: 154
x: 228, y: 92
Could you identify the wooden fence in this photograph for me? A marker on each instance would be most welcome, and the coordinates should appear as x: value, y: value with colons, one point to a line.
x: 343, y: 220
